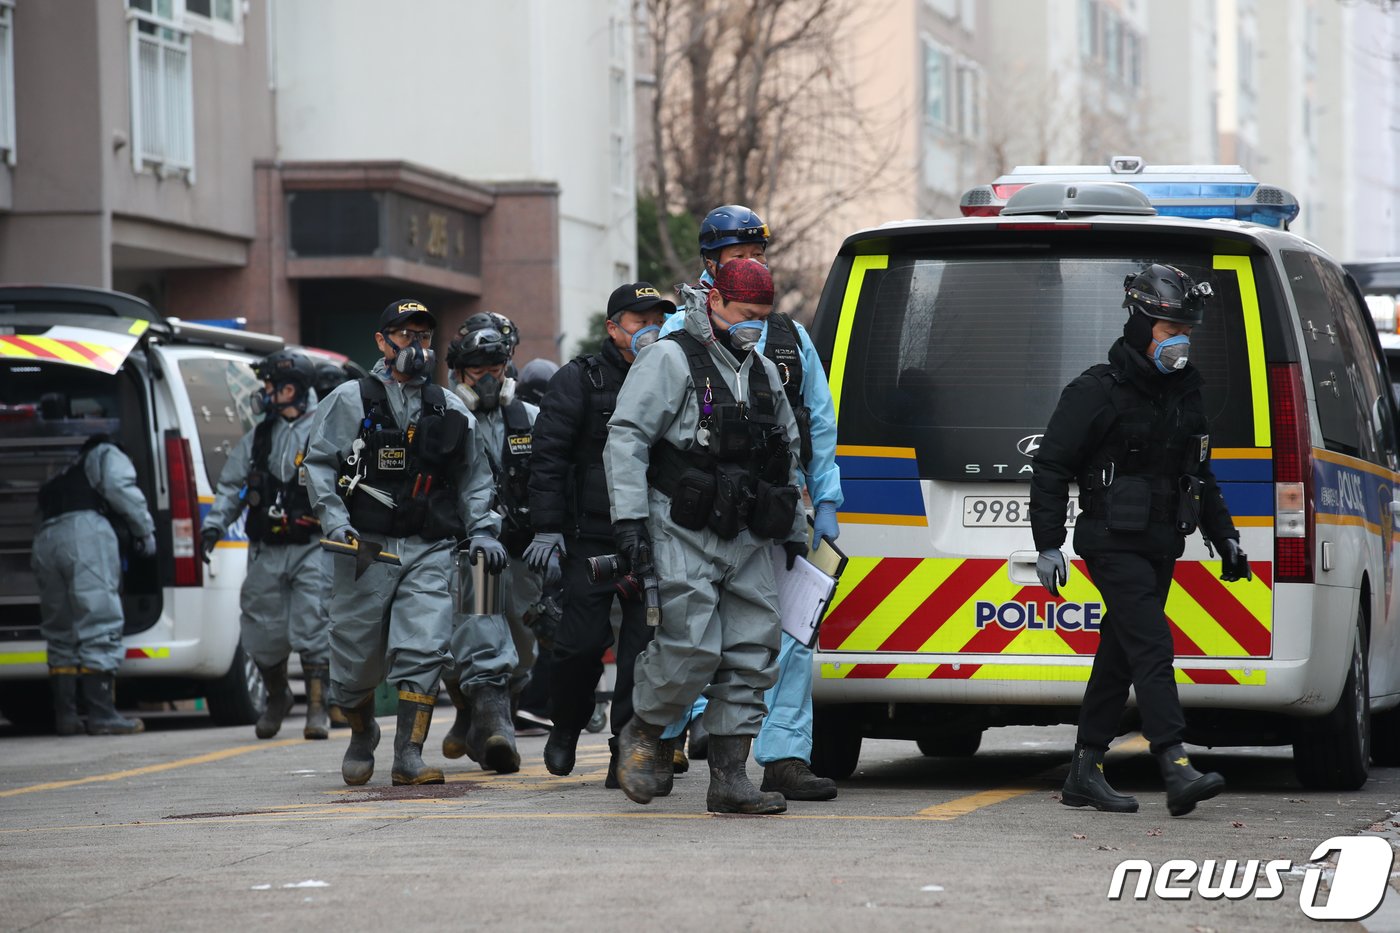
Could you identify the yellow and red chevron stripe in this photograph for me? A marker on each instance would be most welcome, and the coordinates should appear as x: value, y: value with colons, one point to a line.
x: 1229, y: 677
x: 142, y: 654
x: 971, y: 607
x: 105, y: 359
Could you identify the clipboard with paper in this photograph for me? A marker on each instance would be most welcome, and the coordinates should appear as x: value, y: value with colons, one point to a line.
x: 805, y: 591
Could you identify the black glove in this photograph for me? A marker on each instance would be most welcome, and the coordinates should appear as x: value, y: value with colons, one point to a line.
x: 1234, y: 563
x: 794, y: 549
x: 634, y: 541
x: 209, y: 539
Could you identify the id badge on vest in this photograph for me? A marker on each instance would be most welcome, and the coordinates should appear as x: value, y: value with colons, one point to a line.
x: 393, y: 458
x: 520, y: 445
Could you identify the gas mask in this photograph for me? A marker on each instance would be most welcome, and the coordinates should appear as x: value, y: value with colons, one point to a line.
x: 745, y: 335
x: 488, y: 393
x: 644, y: 338
x: 262, y: 402
x: 1171, y: 354
x: 413, y: 360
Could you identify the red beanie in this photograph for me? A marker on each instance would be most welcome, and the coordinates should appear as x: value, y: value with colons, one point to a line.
x: 745, y: 280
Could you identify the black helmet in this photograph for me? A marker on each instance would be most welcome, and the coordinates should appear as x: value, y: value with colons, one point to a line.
x: 534, y: 376
x: 731, y: 225
x: 328, y: 376
x: 480, y: 342
x: 1166, y: 293
x: 287, y: 366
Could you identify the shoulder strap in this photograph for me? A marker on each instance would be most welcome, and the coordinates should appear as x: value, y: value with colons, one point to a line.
x: 594, y: 372
x: 517, y: 418
x: 702, y: 369
x: 433, y: 396
x: 262, y: 444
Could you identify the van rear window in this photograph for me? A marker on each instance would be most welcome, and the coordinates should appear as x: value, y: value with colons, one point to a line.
x: 964, y: 356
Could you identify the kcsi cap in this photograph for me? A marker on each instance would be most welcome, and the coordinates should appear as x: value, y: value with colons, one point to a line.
x: 637, y: 296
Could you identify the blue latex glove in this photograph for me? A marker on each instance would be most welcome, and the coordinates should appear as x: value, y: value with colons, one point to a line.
x: 541, y: 548
x: 1052, y: 570
x: 492, y: 553
x: 824, y: 523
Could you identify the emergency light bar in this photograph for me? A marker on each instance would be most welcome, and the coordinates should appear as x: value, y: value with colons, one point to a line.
x: 1198, y: 191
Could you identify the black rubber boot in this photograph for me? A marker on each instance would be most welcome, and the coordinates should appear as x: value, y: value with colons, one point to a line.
x: 357, y: 766
x: 610, y: 782
x: 96, y: 688
x: 454, y: 743
x: 1086, y: 786
x: 318, y: 685
x: 731, y: 791
x: 699, y: 740
x: 560, y: 750
x: 63, y: 686
x: 415, y: 716
x: 279, y: 700
x: 666, y: 766
x: 491, y: 741
x: 636, y: 759
x: 1186, y: 786
x: 792, y: 778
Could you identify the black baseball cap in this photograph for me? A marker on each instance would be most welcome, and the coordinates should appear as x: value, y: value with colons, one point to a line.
x: 637, y: 296
x: 405, y: 311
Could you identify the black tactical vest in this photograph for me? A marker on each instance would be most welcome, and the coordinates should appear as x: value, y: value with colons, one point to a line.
x: 413, y: 465
x: 513, y: 482
x: 783, y: 349
x: 590, y: 506
x: 70, y: 490
x: 278, y: 512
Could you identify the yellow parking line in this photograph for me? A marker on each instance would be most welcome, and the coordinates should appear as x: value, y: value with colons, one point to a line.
x: 151, y: 769
x: 965, y: 805
x: 1131, y: 746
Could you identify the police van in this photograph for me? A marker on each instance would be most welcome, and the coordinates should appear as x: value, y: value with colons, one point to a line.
x: 79, y: 361
x: 948, y: 343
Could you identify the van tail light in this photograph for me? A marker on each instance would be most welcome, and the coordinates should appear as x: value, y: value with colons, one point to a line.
x: 1293, y: 475
x: 184, y: 511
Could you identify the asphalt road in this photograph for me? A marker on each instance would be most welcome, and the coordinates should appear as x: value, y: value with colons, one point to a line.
x: 194, y: 827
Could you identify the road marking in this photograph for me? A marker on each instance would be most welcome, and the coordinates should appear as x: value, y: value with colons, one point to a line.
x: 965, y: 805
x: 152, y: 769
x: 1131, y: 746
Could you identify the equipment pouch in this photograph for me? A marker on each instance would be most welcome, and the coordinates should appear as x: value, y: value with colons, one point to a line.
x: 774, y: 509
x: 733, y: 501
x: 439, y: 437
x: 1188, y: 505
x: 1195, y: 454
x: 730, y: 435
x: 803, y: 414
x: 1128, y: 504
x: 694, y: 499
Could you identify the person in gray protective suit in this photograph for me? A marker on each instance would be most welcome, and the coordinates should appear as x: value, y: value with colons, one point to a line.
x: 78, y: 568
x: 702, y: 460
x: 396, y: 464
x: 494, y: 651
x: 284, y: 595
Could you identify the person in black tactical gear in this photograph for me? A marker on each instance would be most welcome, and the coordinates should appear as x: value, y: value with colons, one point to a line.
x: 534, y: 379
x: 1133, y: 433
x: 493, y: 651
x: 77, y: 565
x: 285, y: 592
x: 569, y: 506
x: 395, y: 463
x: 329, y: 376
x: 703, y: 466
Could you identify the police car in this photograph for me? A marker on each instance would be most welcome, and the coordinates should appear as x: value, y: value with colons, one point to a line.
x: 79, y: 361
x: 948, y: 343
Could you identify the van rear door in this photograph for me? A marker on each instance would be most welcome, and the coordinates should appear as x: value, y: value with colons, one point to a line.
x: 949, y: 350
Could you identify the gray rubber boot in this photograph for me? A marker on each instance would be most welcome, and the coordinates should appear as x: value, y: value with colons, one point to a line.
x: 1186, y: 786
x: 318, y: 685
x: 1086, y: 786
x: 415, y: 717
x: 731, y: 791
x: 357, y: 767
x: 666, y: 766
x: 63, y: 687
x: 637, y: 750
x: 792, y: 778
x: 454, y: 743
x: 97, y: 689
x: 279, y: 700
x: 491, y: 741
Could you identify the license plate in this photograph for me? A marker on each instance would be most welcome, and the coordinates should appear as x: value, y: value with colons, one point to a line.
x: 1005, y: 512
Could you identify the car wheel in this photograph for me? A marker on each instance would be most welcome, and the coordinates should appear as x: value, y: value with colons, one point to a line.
x: 836, y: 742
x: 1334, y: 751
x: 239, y: 697
x: 954, y: 745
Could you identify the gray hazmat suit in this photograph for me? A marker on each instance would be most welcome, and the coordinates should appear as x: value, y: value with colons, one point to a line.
x: 719, y: 604
x: 499, y: 649
x: 393, y: 620
x: 78, y: 568
x: 284, y: 595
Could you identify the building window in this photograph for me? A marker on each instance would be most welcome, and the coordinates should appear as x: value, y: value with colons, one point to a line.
x: 938, y: 97
x: 1132, y: 52
x: 618, y: 111
x: 1089, y: 29
x: 946, y: 8
x: 1112, y: 50
x: 969, y: 101
x: 162, y: 89
x: 7, y: 80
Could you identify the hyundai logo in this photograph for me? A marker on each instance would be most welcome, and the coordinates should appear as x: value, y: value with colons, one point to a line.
x: 1029, y: 445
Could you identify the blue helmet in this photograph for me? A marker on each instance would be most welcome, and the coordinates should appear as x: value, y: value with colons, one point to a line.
x: 730, y: 225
